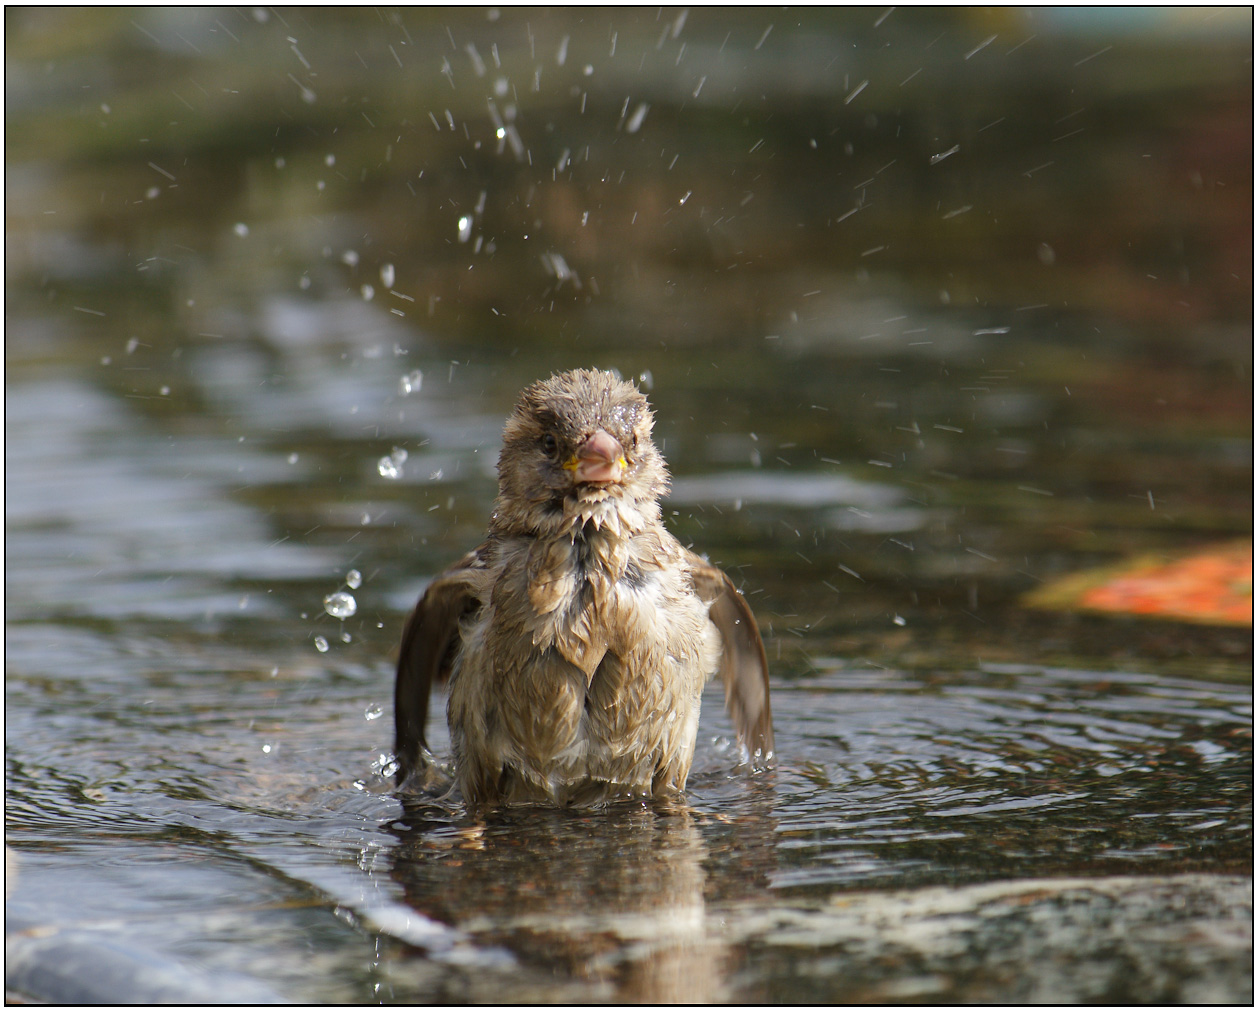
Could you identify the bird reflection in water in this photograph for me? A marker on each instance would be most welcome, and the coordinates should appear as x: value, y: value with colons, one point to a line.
x: 616, y: 899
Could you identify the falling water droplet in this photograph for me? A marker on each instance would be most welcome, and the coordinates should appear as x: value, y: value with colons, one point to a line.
x: 411, y: 382
x: 636, y: 120
x: 386, y: 275
x: 373, y: 711
x: 321, y: 644
x: 353, y: 579
x: 340, y: 604
x: 391, y: 466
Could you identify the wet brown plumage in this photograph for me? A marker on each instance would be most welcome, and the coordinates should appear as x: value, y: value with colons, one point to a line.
x: 578, y: 636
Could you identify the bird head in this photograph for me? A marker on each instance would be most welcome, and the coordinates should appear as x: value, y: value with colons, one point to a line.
x: 578, y: 446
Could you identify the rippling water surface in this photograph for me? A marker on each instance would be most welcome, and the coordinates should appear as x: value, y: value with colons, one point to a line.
x: 917, y: 343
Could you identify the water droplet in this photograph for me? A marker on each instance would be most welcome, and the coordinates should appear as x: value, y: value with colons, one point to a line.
x: 340, y: 604
x: 345, y: 636
x: 353, y: 579
x: 411, y: 383
x: 330, y: 160
x: 386, y: 275
x: 365, y: 519
x: 292, y: 458
x: 321, y: 644
x: 898, y: 620
x: 275, y: 671
x: 636, y: 120
x: 385, y: 765
x: 350, y: 258
x: 465, y: 228
x: 266, y: 748
x: 373, y: 711
x: 368, y: 293
x: 391, y: 466
x: 241, y: 229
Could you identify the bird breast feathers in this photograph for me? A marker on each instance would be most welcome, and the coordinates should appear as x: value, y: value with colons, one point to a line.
x: 582, y: 607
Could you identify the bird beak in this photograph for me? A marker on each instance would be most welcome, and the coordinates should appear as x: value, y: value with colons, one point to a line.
x: 599, y: 460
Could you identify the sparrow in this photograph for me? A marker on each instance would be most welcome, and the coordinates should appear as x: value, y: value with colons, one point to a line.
x: 577, y: 638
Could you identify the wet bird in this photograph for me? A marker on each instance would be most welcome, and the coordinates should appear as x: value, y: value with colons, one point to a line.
x: 578, y: 636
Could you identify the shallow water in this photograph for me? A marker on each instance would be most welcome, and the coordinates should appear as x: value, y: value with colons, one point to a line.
x: 205, y: 419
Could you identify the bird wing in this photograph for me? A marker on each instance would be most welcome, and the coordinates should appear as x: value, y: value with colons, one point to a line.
x: 743, y: 668
x: 429, y: 641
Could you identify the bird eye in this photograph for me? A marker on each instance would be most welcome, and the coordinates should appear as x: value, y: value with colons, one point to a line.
x: 550, y: 444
